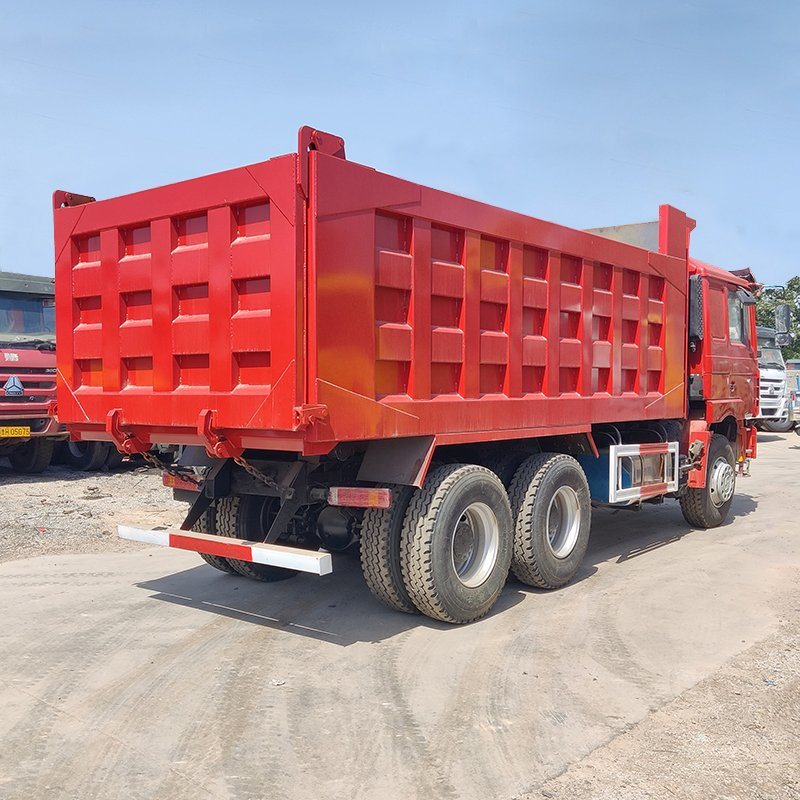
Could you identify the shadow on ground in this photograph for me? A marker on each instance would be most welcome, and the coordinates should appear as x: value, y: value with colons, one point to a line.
x: 338, y: 608
x: 774, y: 437
x: 624, y: 534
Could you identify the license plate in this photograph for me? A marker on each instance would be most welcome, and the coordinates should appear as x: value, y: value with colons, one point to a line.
x: 14, y: 431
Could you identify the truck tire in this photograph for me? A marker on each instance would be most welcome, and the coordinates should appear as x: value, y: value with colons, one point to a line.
x: 456, y: 543
x: 552, y: 511
x: 381, y: 532
x: 86, y: 456
x: 32, y: 457
x: 708, y: 507
x: 113, y: 459
x: 207, y: 524
x: 783, y: 425
x: 243, y: 517
x: 505, y: 465
x: 59, y: 452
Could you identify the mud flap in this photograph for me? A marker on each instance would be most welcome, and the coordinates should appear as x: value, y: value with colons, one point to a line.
x: 402, y: 461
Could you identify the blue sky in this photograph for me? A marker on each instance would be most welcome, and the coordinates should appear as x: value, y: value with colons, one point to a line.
x: 586, y: 113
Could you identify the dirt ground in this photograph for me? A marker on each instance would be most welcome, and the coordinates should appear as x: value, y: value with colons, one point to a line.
x: 670, y: 668
x: 735, y: 735
x: 65, y: 511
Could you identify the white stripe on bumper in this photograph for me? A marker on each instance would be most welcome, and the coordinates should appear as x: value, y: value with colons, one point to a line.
x: 274, y: 555
x: 146, y: 535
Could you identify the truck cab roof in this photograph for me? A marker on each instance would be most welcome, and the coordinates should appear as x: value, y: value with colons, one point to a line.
x: 698, y: 267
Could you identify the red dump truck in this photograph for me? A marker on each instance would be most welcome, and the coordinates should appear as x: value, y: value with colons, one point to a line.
x: 349, y: 358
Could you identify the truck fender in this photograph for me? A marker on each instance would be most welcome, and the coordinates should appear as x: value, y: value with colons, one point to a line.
x: 699, y: 432
x: 751, y: 441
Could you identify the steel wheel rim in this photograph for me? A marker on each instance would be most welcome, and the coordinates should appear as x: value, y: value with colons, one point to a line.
x: 475, y: 544
x: 721, y: 483
x: 563, y: 521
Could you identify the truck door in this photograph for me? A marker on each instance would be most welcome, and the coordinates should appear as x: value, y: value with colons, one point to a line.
x: 729, y: 379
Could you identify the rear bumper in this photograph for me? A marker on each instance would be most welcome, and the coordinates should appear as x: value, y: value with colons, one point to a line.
x: 275, y: 555
x: 772, y: 408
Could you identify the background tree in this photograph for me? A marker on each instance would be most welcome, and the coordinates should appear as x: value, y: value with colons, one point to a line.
x: 765, y: 311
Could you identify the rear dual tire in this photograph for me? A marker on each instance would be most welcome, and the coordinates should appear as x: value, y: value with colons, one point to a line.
x: 247, y: 517
x: 446, y: 549
x: 552, y: 518
x: 91, y: 456
x: 505, y: 465
x: 240, y: 517
x: 381, y: 535
x: 456, y: 543
x: 207, y: 524
x: 86, y: 456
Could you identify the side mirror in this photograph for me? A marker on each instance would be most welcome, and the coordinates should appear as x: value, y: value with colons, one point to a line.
x: 783, y: 318
x: 695, y: 307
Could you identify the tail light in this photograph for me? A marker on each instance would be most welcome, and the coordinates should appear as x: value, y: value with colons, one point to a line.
x: 356, y: 497
x: 176, y: 482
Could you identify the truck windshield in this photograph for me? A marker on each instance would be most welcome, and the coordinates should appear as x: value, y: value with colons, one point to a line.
x: 771, y: 357
x: 26, y: 317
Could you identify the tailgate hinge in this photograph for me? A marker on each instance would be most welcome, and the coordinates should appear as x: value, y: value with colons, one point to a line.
x: 217, y: 445
x: 125, y: 441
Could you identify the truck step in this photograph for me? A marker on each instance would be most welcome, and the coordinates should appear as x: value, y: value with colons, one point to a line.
x: 276, y: 555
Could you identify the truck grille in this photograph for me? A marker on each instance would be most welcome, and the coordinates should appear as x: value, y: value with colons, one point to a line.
x: 37, y: 386
x: 26, y: 398
x: 772, y: 388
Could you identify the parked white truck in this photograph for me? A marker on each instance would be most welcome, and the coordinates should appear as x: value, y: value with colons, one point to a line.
x: 773, y: 393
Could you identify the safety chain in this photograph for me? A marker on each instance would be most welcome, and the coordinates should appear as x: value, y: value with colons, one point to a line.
x: 183, y: 473
x: 259, y: 475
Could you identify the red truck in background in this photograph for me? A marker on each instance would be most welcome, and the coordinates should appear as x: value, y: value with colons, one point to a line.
x: 30, y: 435
x: 349, y: 358
x: 28, y: 431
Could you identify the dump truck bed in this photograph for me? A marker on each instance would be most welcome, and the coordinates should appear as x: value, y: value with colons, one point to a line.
x: 308, y: 300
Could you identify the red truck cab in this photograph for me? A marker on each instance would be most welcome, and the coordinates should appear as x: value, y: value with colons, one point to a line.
x: 28, y: 429
x: 722, y: 359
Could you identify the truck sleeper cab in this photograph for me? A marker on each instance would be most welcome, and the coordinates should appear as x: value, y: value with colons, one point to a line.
x: 350, y: 359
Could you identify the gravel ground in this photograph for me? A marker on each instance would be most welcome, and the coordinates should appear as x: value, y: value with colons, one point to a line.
x: 64, y: 511
x: 734, y: 736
